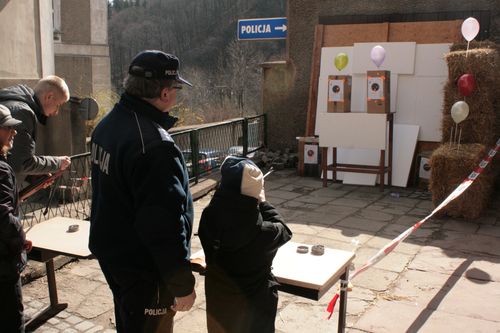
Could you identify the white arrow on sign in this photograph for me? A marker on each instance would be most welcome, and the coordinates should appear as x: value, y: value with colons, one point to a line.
x: 282, y: 28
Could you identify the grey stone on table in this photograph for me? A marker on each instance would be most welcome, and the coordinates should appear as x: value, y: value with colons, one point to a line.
x: 361, y: 224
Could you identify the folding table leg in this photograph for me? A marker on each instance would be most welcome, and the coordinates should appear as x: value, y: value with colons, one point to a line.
x: 54, y: 308
x: 343, y: 300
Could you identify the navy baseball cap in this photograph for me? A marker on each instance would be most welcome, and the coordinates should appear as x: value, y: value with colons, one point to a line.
x: 154, y: 64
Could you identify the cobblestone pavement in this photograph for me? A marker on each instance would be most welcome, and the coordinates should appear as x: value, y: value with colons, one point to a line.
x: 444, y: 278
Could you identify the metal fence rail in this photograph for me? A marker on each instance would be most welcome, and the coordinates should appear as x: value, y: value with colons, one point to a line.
x: 70, y: 195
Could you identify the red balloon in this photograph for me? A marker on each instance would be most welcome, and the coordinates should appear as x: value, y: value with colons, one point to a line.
x: 466, y: 84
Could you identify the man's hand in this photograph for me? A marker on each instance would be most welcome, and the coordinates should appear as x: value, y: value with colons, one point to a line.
x: 184, y: 303
x: 65, y: 162
x: 28, y: 245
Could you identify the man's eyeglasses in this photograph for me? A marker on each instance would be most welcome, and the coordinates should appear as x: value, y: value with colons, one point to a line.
x: 177, y: 87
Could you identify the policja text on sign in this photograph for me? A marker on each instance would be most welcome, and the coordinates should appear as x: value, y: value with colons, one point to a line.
x: 267, y: 28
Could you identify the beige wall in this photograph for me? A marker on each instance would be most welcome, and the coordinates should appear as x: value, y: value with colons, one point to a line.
x: 26, y: 52
x: 82, y: 55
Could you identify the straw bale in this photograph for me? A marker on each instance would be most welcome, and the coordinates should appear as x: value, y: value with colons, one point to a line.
x: 475, y: 44
x: 483, y: 63
x: 483, y: 123
x: 450, y: 166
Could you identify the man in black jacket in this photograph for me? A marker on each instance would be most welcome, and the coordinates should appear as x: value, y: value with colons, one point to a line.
x: 240, y: 233
x: 33, y: 106
x: 142, y: 210
x: 13, y: 242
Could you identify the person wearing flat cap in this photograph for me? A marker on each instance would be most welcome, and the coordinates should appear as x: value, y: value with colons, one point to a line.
x: 142, y: 210
x: 13, y: 242
x: 240, y: 233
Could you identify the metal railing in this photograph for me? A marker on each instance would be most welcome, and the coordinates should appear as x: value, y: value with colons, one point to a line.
x: 209, y: 145
x: 70, y: 195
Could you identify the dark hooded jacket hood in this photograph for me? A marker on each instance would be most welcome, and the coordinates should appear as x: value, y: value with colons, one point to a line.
x: 23, y: 94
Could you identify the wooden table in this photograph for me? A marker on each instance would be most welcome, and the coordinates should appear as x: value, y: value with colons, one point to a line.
x: 50, y: 239
x: 305, y: 275
x: 357, y: 135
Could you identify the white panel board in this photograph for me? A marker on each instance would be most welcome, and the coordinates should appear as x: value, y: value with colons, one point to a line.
x: 429, y: 60
x: 352, y: 130
x: 362, y: 157
x: 342, y: 157
x: 405, y: 142
x: 399, y: 58
x: 419, y: 102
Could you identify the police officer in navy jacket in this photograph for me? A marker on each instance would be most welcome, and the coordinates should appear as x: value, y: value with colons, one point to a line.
x: 142, y: 210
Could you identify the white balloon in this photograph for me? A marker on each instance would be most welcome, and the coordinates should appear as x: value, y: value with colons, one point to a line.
x: 470, y: 28
x: 377, y: 55
x: 459, y: 111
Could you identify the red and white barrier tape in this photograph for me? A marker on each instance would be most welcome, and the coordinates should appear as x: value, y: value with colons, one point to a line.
x: 395, y: 242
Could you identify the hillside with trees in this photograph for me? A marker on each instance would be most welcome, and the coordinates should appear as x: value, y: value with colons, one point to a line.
x: 225, y: 71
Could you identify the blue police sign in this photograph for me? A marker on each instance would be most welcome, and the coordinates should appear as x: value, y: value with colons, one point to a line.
x: 265, y: 28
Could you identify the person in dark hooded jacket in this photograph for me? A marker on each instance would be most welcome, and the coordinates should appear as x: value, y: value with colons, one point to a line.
x: 240, y: 233
x: 33, y: 106
x: 13, y: 242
